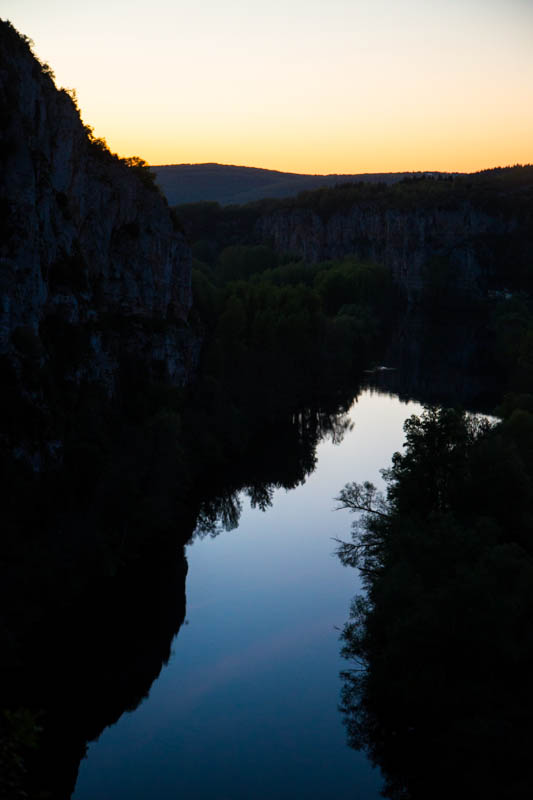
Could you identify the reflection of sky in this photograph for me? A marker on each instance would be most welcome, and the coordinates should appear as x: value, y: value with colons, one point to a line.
x: 247, y: 707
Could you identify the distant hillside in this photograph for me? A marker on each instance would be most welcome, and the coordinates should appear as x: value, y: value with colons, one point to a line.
x: 227, y: 184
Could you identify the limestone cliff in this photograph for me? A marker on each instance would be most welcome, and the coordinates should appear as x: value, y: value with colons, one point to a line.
x: 81, y: 231
x: 421, y: 233
x: 89, y: 250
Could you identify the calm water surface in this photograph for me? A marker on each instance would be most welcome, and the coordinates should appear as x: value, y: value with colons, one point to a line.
x: 247, y: 705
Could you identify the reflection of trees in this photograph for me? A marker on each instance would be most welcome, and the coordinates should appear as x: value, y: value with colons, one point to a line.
x: 283, y: 456
x: 439, y: 688
x: 219, y: 513
x: 88, y: 663
x: 442, y: 358
x: 98, y: 612
x: 323, y: 424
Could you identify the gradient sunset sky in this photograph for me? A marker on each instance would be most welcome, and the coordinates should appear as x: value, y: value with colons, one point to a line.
x: 341, y: 86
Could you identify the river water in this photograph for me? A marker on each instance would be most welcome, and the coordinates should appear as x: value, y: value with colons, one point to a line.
x: 247, y: 705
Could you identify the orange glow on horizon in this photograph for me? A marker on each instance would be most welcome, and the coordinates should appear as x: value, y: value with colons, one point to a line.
x: 411, y: 151
x: 293, y: 85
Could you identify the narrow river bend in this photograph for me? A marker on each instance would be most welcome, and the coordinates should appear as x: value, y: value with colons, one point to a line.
x: 247, y: 705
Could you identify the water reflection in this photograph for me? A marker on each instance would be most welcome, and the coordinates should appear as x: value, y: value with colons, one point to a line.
x: 284, y: 456
x: 82, y: 668
x: 90, y: 663
x: 443, y: 359
x: 256, y: 668
x: 99, y: 657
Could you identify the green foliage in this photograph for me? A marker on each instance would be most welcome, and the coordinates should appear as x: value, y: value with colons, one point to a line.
x: 138, y: 166
x: 142, y: 169
x: 512, y: 321
x: 239, y: 262
x: 353, y: 282
x: 206, y: 296
x: 279, y: 333
x: 292, y: 273
x: 441, y: 638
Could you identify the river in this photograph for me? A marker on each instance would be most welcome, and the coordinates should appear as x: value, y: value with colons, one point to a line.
x: 247, y: 705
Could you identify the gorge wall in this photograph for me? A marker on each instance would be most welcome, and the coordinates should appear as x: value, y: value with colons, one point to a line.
x: 90, y: 253
x: 466, y: 234
x: 461, y: 247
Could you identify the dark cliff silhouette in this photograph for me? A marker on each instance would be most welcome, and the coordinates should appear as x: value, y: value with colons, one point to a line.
x: 94, y: 267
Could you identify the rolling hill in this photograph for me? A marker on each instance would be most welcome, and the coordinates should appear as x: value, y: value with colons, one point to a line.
x: 228, y: 184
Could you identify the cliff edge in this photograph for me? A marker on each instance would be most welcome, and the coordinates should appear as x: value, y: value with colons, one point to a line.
x: 93, y: 265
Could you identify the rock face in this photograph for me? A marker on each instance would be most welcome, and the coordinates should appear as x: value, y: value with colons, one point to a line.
x: 406, y: 241
x: 85, y: 239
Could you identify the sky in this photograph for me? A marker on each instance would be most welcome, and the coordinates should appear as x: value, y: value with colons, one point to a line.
x: 343, y: 86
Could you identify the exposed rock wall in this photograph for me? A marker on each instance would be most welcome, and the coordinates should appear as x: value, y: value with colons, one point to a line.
x: 83, y: 237
x: 403, y: 240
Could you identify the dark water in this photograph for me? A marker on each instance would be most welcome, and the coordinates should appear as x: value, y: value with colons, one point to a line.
x: 247, y: 704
